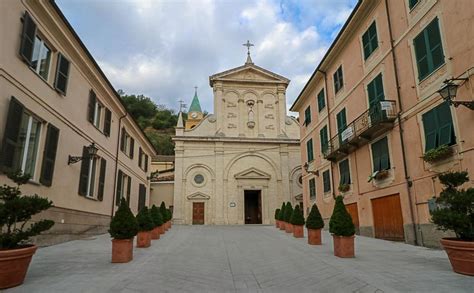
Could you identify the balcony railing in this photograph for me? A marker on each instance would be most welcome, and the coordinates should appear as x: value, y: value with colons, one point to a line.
x: 373, y: 122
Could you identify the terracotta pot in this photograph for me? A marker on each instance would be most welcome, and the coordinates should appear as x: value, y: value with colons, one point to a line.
x: 298, y: 231
x: 144, y: 239
x: 314, y: 236
x: 343, y: 246
x: 288, y: 228
x: 282, y: 225
x: 461, y: 255
x: 162, y: 229
x: 277, y: 223
x: 166, y: 226
x: 122, y: 250
x: 14, y: 264
x: 155, y: 233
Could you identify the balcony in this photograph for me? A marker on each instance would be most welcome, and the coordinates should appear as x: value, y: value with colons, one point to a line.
x: 373, y: 122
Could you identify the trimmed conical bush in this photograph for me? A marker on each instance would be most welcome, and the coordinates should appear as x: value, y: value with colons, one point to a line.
x: 123, y: 225
x: 145, y: 222
x: 341, y: 222
x: 314, y: 220
x: 277, y: 213
x: 288, y: 212
x: 156, y: 216
x: 297, y: 217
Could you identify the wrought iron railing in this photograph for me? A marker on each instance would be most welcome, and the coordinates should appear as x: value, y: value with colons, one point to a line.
x: 380, y: 114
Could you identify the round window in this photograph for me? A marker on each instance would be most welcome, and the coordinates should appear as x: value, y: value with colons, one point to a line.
x: 199, y: 179
x: 300, y: 179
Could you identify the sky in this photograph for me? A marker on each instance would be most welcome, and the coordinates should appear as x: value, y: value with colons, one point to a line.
x: 163, y: 49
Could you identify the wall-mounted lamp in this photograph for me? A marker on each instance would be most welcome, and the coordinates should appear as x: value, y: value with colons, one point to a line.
x: 306, y: 168
x: 91, y: 153
x: 449, y: 92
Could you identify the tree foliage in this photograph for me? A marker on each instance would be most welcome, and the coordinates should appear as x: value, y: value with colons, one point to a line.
x: 156, y: 216
x: 288, y: 212
x: 123, y: 225
x: 455, y: 211
x: 16, y: 211
x: 281, y: 214
x: 277, y: 213
x: 297, y: 217
x: 314, y: 220
x: 341, y: 222
x: 145, y: 221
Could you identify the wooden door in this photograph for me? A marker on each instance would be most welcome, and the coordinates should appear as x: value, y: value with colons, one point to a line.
x: 352, y: 210
x: 388, y: 220
x: 198, y: 213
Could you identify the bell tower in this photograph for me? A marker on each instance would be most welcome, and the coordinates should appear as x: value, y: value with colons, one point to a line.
x: 195, y: 114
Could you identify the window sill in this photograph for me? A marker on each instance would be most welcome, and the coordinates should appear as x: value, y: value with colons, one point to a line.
x: 91, y: 198
x: 432, y: 73
x: 33, y: 182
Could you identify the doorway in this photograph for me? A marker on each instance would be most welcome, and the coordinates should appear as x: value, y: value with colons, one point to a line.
x: 198, y: 213
x: 253, y: 206
x: 388, y: 220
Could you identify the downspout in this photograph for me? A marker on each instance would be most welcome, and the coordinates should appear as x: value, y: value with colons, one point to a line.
x: 116, y: 162
x: 326, y: 91
x: 409, y: 183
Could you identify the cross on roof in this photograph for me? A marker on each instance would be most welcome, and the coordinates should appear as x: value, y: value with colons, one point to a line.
x: 182, y: 105
x: 248, y: 45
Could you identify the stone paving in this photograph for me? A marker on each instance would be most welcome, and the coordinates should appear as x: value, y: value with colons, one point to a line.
x: 241, y: 259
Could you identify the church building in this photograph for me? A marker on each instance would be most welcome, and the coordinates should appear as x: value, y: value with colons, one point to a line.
x: 238, y: 165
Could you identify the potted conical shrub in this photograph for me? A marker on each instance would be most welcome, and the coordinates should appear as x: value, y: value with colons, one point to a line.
x: 455, y: 213
x: 288, y: 213
x: 164, y: 213
x: 281, y: 216
x: 170, y: 217
x: 277, y: 222
x: 314, y: 224
x: 342, y: 229
x: 297, y: 220
x: 157, y: 221
x: 16, y: 211
x: 123, y: 227
x: 145, y: 225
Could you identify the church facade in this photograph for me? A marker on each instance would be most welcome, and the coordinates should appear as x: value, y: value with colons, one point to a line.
x: 238, y: 165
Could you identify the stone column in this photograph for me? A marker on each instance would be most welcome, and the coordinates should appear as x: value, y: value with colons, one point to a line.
x: 179, y: 206
x: 219, y: 106
x: 260, y: 118
x: 242, y: 117
x: 284, y: 161
x: 281, y: 110
x: 219, y: 183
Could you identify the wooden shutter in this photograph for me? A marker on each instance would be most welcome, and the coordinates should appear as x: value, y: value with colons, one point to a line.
x: 91, y: 106
x: 374, y: 43
x: 341, y: 120
x: 307, y: 115
x: 49, y: 155
x: 445, y: 125
x: 412, y: 3
x: 384, y: 155
x: 321, y: 101
x: 324, y: 138
x: 421, y: 54
x: 132, y: 147
x: 9, y: 154
x: 107, y: 122
x: 118, y: 193
x: 326, y: 181
x: 140, y: 154
x: 100, y: 192
x: 344, y: 172
x: 62, y: 74
x: 129, y: 186
x: 435, y: 45
x: 309, y: 150
x: 146, y: 163
x: 84, y: 175
x: 122, y: 139
x: 376, y: 156
x: 141, y: 196
x: 366, y: 44
x: 312, y: 188
x: 430, y: 125
x: 28, y: 36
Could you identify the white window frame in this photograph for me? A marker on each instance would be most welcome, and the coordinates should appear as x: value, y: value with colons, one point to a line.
x: 24, y: 155
x: 98, y: 121
x: 41, y: 50
x: 92, y: 187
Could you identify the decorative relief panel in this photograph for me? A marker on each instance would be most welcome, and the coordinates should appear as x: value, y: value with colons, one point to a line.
x: 231, y: 115
x: 231, y: 125
x: 270, y: 127
x: 269, y: 116
x: 269, y: 106
x: 231, y: 105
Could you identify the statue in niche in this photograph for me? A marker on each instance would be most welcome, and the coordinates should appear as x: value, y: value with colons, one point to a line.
x: 251, y: 115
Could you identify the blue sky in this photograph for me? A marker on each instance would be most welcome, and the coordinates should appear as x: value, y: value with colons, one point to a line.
x: 164, y: 48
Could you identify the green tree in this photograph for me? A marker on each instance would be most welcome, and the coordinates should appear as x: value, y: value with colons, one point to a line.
x: 277, y: 213
x: 123, y: 225
x: 145, y: 222
x: 281, y: 215
x: 297, y: 217
x: 156, y: 216
x: 314, y: 220
x: 288, y: 212
x: 341, y: 223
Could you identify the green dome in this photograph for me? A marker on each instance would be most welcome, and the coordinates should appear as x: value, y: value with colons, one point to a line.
x: 195, y: 105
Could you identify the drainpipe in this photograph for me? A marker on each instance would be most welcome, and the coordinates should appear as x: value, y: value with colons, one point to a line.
x: 116, y: 162
x: 329, y: 131
x: 409, y: 183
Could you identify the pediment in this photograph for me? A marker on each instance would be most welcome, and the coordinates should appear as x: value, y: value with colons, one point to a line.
x: 249, y: 72
x: 299, y: 197
x: 198, y: 196
x: 252, y: 173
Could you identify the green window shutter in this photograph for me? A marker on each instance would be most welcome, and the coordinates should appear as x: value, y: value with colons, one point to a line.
x: 430, y: 125
x: 321, y: 101
x: 421, y: 56
x: 370, y: 40
x: 435, y: 45
x: 119, y: 191
x: 28, y: 36
x: 445, y: 125
x: 326, y: 181
x: 366, y: 44
x: 91, y: 106
x: 84, y: 174
x: 132, y: 147
x: 379, y: 93
x: 309, y: 150
x: 307, y: 116
x: 146, y: 163
x: 141, y: 196
x: 103, y: 165
x: 344, y: 172
x: 374, y: 42
x: 323, y: 134
x: 62, y: 74
x: 412, y: 3
x: 122, y: 139
x: 140, y: 154
x: 312, y: 188
x: 129, y: 187
x: 49, y: 155
x: 380, y: 155
x: 338, y: 79
x: 9, y: 159
x: 376, y: 156
x: 341, y: 120
x: 107, y: 122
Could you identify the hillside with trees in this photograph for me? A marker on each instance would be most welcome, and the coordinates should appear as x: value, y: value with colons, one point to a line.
x: 157, y: 121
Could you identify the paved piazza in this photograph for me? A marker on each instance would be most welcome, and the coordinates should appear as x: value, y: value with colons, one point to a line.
x: 241, y: 259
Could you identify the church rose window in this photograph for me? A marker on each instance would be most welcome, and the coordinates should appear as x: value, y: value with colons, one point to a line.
x: 199, y: 179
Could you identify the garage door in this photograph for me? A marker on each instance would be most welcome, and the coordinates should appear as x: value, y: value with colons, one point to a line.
x: 388, y: 220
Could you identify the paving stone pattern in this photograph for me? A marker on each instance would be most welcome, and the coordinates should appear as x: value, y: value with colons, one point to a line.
x: 241, y: 259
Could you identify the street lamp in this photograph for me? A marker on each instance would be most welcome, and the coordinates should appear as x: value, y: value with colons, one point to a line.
x: 449, y: 91
x: 91, y: 152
